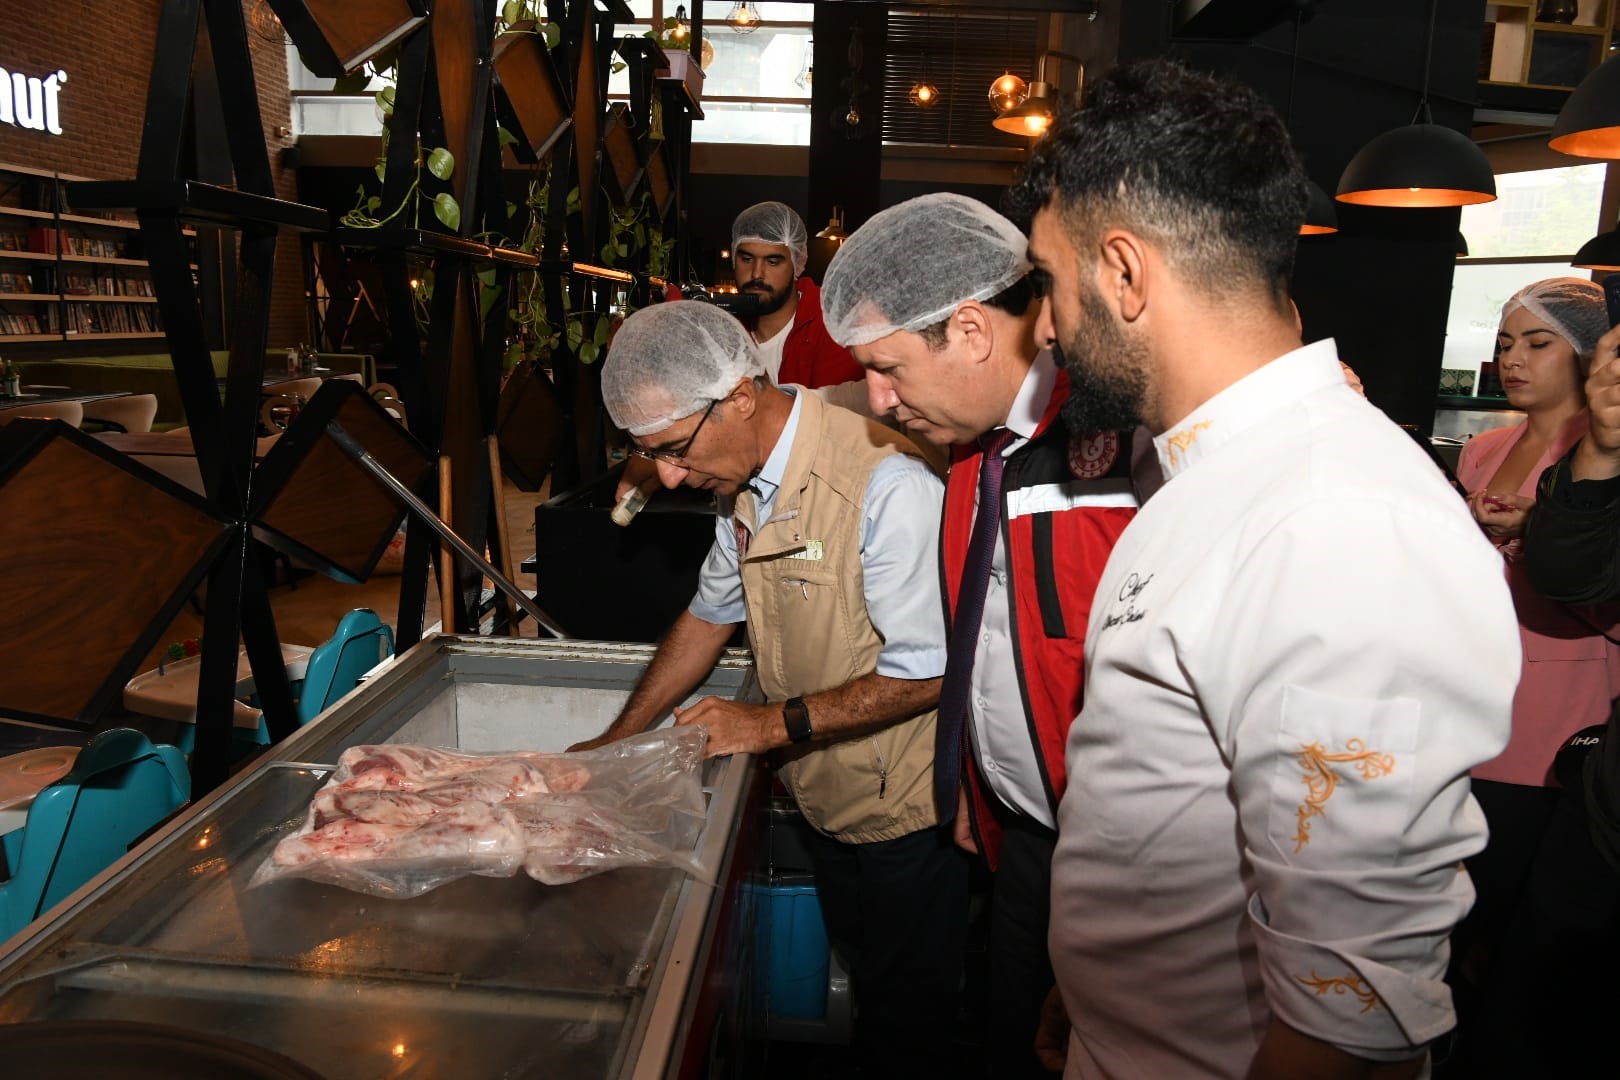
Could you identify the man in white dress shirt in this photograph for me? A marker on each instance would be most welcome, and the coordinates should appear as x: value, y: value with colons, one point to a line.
x: 1298, y: 649
x: 933, y: 297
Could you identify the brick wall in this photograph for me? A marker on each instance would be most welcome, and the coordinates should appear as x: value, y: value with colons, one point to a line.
x: 105, y: 46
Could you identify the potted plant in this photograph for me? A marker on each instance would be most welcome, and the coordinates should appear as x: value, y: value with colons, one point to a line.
x: 676, y: 41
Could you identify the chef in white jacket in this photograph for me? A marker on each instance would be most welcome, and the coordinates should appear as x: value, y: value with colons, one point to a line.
x: 1297, y: 651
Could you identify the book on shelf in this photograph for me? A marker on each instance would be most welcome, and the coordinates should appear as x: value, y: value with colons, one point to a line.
x: 43, y: 241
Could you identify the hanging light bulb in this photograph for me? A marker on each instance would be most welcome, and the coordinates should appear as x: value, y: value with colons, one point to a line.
x: 680, y: 33
x: 924, y: 94
x: 1008, y: 92
x: 807, y: 70
x: 1034, y: 114
x: 706, y: 61
x: 744, y: 17
x: 835, y: 230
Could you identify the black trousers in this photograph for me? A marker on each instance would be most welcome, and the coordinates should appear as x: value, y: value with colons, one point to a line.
x: 1517, y: 815
x: 1020, y: 966
x: 1549, y: 1000
x: 896, y: 910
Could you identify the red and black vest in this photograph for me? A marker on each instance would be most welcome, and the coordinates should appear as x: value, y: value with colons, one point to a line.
x: 1065, y: 500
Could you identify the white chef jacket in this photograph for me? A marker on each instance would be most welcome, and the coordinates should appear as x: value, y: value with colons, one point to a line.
x: 1299, y: 648
x: 1000, y: 728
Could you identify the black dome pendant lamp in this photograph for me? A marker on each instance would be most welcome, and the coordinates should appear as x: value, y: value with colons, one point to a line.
x: 1321, y: 219
x: 1422, y: 164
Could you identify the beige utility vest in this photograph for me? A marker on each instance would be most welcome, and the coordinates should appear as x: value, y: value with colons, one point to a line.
x: 808, y: 625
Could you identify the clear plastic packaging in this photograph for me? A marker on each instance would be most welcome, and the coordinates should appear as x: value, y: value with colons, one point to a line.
x: 400, y: 820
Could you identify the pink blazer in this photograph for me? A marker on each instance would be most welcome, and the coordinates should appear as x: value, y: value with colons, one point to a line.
x: 1571, y: 671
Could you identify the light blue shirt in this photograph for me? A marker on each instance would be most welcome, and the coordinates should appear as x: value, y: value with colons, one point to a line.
x: 899, y: 558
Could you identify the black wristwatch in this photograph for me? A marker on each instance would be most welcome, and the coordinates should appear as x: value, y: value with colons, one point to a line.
x: 796, y: 718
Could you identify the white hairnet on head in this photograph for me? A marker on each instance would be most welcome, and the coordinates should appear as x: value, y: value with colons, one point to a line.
x: 773, y: 223
x: 672, y: 360
x: 913, y: 264
x: 1572, y: 307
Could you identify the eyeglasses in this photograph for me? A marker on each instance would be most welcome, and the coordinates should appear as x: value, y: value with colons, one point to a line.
x: 675, y: 455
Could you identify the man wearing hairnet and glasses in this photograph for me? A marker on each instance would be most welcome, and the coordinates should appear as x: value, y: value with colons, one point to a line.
x: 825, y: 547
x: 769, y: 246
x: 935, y: 298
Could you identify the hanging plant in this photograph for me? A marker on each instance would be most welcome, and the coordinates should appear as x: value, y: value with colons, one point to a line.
x: 440, y: 163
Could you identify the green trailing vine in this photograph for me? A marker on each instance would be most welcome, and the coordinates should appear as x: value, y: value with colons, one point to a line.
x: 631, y: 229
x: 441, y: 164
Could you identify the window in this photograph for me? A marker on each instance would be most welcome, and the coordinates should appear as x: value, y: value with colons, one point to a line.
x: 1539, y: 213
x: 961, y: 54
x: 1539, y: 220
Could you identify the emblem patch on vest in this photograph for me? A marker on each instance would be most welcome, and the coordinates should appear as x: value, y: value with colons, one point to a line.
x: 1092, y: 456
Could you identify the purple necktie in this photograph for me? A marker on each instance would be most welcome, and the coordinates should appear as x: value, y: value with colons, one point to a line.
x: 950, y: 732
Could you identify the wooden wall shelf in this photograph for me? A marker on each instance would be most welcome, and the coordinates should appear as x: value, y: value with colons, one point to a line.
x: 52, y: 255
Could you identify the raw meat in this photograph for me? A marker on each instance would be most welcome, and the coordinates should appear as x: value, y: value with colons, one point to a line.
x: 450, y: 803
x: 414, y: 768
x: 494, y: 844
x: 398, y: 820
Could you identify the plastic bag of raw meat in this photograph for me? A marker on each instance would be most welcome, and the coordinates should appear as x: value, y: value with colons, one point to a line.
x: 400, y: 820
x: 643, y: 807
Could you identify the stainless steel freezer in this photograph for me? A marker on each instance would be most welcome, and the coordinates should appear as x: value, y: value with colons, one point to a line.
x: 632, y: 973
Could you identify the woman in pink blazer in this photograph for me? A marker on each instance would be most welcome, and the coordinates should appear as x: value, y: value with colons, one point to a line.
x: 1571, y: 670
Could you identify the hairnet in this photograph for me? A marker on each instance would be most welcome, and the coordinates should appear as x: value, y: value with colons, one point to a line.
x: 1572, y: 307
x: 911, y: 265
x: 671, y: 360
x: 773, y: 223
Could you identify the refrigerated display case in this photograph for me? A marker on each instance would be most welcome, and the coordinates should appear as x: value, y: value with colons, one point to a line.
x: 634, y: 973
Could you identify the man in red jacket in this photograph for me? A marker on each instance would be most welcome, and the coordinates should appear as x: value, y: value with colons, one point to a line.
x: 769, y: 245
x: 935, y: 299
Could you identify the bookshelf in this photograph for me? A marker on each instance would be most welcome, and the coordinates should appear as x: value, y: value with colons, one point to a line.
x: 67, y: 276
x: 1520, y: 50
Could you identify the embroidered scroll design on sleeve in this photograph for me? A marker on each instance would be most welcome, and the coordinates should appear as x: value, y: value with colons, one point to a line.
x: 1321, y: 780
x: 1345, y: 984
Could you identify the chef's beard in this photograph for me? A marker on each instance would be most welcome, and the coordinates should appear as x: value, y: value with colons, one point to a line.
x: 770, y: 301
x: 1108, y: 373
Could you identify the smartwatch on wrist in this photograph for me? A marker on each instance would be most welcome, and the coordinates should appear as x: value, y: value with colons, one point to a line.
x: 796, y: 718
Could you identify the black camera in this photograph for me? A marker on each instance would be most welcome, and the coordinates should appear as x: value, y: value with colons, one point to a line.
x: 744, y: 305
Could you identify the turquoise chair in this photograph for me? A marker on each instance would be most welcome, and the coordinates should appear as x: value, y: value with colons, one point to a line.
x: 119, y: 789
x: 360, y: 642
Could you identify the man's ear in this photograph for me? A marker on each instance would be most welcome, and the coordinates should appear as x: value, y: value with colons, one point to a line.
x: 1122, y: 266
x: 745, y: 397
x: 972, y: 321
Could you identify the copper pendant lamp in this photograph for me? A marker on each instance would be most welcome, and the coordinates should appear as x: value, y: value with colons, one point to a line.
x: 1421, y: 165
x: 1602, y: 252
x: 1321, y: 219
x: 1588, y: 125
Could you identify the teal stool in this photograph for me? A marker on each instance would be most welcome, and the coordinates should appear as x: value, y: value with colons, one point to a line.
x: 119, y: 789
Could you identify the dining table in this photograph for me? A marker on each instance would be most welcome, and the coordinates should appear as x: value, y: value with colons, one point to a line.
x: 40, y: 395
